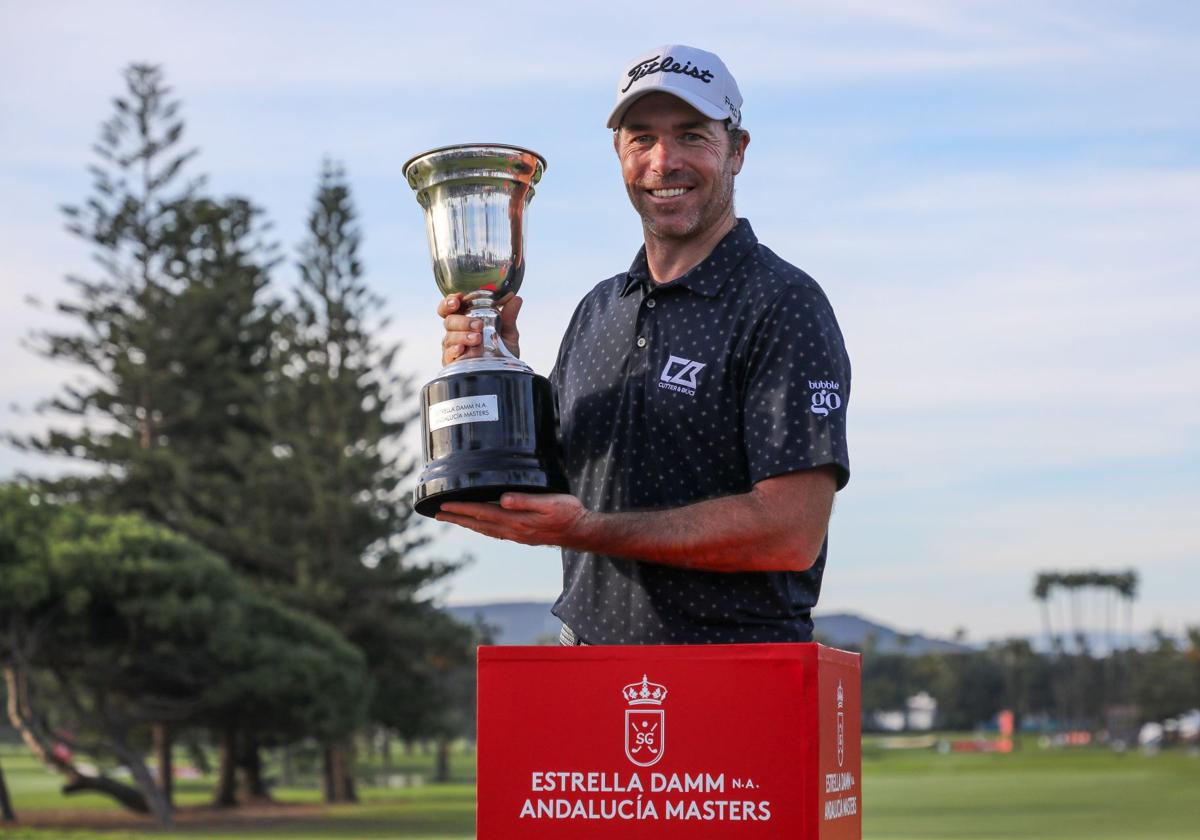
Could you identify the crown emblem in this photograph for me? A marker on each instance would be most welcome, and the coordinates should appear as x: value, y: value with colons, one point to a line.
x: 644, y: 693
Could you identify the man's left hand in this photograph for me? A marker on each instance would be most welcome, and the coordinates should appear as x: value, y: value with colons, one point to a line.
x: 528, y: 518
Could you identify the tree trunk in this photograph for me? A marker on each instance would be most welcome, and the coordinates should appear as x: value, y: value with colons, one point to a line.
x: 385, y: 750
x: 339, y: 772
x: 166, y: 767
x: 130, y: 798
x: 41, y: 744
x: 198, y: 757
x: 159, y: 807
x: 225, y: 795
x: 442, y: 772
x: 253, y: 787
x: 6, y: 809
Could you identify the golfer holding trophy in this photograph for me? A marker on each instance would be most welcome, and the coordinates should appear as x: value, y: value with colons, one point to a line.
x: 700, y: 395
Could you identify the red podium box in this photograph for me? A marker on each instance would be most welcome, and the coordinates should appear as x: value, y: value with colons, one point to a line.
x: 667, y: 741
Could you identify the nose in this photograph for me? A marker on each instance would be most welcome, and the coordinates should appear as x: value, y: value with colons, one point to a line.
x: 664, y: 157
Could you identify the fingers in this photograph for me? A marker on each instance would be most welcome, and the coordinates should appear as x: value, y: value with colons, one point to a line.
x: 457, y: 346
x: 463, y: 334
x: 508, y: 315
x: 535, y: 502
x: 461, y: 338
x: 510, y: 305
x: 461, y: 329
x: 487, y: 529
x: 511, y: 504
x: 486, y: 519
x: 464, y: 337
x: 459, y: 351
x: 449, y: 305
x: 462, y: 323
x: 508, y: 324
x: 481, y: 511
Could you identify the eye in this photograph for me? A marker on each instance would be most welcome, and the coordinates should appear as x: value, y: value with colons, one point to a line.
x: 691, y: 137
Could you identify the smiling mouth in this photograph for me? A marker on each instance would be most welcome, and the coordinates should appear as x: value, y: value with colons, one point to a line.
x: 670, y: 192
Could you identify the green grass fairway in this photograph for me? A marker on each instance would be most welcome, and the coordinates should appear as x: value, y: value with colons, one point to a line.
x: 1034, y: 795
x: 1031, y: 795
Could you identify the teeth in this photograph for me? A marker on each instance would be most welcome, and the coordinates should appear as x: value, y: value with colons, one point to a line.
x: 668, y: 193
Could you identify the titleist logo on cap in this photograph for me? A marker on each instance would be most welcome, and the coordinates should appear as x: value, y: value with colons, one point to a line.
x: 679, y: 68
x: 668, y: 65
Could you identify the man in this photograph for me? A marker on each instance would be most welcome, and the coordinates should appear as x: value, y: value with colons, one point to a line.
x: 701, y: 398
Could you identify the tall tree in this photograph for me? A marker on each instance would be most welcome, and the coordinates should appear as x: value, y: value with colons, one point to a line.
x: 338, y: 467
x: 176, y: 336
x: 138, y: 186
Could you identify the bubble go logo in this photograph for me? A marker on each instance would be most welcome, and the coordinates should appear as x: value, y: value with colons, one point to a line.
x: 825, y: 396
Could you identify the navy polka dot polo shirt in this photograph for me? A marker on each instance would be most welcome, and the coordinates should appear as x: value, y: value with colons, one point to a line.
x: 698, y: 388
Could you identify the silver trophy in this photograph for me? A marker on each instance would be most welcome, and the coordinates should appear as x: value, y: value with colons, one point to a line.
x: 488, y: 421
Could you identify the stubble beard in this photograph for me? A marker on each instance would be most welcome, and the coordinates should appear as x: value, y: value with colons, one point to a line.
x: 682, y: 226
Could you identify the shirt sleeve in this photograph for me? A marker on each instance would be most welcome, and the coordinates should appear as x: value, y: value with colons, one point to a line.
x: 797, y: 389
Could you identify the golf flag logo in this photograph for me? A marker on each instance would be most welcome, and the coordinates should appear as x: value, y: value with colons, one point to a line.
x: 645, y: 722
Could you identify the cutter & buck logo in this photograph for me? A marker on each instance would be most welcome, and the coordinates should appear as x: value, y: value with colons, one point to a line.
x: 680, y: 374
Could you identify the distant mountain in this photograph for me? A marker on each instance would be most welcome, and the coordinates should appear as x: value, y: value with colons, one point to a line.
x: 530, y: 622
x: 847, y: 630
x: 517, y: 623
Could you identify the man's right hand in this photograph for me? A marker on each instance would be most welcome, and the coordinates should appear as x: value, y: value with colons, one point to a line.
x: 465, y: 334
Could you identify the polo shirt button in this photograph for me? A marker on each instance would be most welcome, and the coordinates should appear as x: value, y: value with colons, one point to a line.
x: 641, y: 342
x: 650, y: 304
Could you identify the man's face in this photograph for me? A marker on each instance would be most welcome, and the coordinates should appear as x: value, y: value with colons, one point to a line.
x: 678, y: 166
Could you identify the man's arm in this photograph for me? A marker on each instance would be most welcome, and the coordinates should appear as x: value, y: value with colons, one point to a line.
x: 778, y: 526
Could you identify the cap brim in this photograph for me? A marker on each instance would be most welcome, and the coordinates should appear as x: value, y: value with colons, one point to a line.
x: 701, y: 104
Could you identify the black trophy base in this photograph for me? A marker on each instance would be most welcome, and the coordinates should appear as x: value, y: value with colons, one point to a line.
x: 486, y: 433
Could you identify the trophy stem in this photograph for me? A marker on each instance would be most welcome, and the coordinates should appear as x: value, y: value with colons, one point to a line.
x: 492, y: 345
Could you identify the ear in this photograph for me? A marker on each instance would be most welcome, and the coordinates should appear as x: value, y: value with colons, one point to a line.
x: 617, y: 141
x: 739, y: 154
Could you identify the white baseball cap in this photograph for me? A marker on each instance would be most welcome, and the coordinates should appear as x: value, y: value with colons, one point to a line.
x: 697, y: 77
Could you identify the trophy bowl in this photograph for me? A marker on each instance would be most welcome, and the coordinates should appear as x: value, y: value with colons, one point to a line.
x: 474, y: 197
x: 487, y: 421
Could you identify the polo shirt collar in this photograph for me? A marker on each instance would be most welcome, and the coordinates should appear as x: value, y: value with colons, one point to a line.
x: 709, y: 276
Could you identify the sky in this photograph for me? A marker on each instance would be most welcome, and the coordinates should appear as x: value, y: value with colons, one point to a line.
x: 1001, y: 200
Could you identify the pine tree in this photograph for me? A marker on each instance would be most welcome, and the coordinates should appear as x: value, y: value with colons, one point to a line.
x: 340, y: 470
x: 175, y: 338
x: 136, y: 190
x: 339, y: 421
